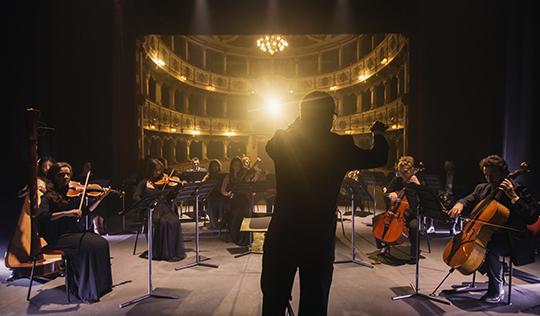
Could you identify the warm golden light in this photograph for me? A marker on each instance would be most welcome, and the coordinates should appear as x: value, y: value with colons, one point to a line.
x: 362, y: 77
x: 229, y: 133
x: 384, y: 61
x: 173, y: 129
x: 273, y: 105
x: 195, y: 132
x: 152, y: 126
x: 159, y: 61
x: 183, y: 78
x: 211, y: 88
x: 333, y: 88
x: 272, y: 44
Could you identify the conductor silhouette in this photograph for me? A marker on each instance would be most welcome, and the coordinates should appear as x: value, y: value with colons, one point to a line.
x: 310, y: 163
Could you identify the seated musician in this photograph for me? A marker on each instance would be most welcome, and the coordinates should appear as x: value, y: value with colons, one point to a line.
x: 405, y: 173
x: 167, y: 234
x: 89, y: 275
x: 239, y: 200
x: 215, y: 202
x: 523, y: 210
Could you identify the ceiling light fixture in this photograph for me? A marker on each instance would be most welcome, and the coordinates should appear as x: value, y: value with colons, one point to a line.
x: 272, y: 43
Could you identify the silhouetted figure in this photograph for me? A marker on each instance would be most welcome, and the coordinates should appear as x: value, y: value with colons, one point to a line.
x: 310, y: 163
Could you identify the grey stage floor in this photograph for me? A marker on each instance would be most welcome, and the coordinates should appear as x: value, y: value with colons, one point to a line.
x: 233, y: 288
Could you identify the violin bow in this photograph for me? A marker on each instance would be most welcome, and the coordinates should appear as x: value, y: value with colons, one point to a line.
x: 170, y: 175
x: 84, y: 192
x: 466, y: 219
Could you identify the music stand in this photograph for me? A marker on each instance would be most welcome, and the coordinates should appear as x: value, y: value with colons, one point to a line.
x: 354, y: 188
x: 250, y: 188
x: 197, y: 190
x: 150, y: 202
x: 192, y: 176
x: 424, y: 201
x: 375, y: 179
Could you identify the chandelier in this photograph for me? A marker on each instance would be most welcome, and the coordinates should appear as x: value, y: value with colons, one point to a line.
x: 272, y: 44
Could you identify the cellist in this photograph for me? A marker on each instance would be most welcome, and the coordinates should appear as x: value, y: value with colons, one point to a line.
x: 405, y: 173
x: 517, y: 243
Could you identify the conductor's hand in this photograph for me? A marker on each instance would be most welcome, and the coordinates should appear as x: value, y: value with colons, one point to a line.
x: 456, y: 210
x: 378, y: 127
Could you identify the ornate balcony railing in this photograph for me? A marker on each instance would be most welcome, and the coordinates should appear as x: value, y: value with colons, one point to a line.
x: 392, y: 114
x: 374, y: 61
x: 159, y: 118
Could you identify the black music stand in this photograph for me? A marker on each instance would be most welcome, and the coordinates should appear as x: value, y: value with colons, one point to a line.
x: 425, y: 200
x: 354, y: 189
x: 193, y: 176
x: 375, y: 179
x: 196, y: 190
x: 250, y: 188
x: 149, y: 202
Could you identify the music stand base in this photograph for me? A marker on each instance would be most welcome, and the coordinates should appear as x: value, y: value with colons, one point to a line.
x: 250, y: 252
x: 147, y: 296
x: 358, y: 262
x: 198, y: 262
x: 401, y: 297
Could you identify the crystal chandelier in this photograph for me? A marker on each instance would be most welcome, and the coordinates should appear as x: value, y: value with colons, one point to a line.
x: 272, y: 44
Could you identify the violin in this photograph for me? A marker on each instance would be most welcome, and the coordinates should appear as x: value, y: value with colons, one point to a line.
x: 93, y: 190
x: 166, y: 180
x: 467, y: 250
x: 250, y: 174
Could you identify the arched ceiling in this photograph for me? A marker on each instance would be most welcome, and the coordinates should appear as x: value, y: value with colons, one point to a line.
x: 299, y: 45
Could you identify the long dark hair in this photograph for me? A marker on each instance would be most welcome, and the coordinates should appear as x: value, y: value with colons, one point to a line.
x: 52, y: 190
x: 42, y: 161
x: 152, y: 165
x: 231, y: 171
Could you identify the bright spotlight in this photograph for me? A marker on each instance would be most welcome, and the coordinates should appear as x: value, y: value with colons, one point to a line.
x: 273, y: 106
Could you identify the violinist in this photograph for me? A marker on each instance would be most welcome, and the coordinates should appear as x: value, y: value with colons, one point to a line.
x: 168, y: 239
x: 405, y: 174
x: 239, y: 201
x: 88, y: 254
x: 216, y: 201
x: 517, y: 243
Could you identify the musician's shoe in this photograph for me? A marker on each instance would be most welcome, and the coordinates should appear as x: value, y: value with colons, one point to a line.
x: 493, y: 298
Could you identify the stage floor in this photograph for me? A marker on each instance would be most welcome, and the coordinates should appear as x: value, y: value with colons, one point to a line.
x: 233, y: 288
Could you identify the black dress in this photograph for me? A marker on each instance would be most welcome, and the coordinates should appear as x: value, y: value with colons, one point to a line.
x: 168, y: 242
x: 239, y: 209
x: 89, y: 276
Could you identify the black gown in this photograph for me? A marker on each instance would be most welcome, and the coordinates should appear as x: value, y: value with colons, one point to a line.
x: 89, y: 276
x: 239, y: 209
x: 168, y: 242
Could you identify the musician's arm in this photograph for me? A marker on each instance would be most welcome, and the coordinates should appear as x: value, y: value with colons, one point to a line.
x: 472, y: 199
x: 45, y: 214
x: 224, y: 185
x: 526, y: 206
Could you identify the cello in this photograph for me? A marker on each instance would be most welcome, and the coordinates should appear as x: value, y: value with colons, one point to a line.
x: 466, y: 251
x: 391, y: 226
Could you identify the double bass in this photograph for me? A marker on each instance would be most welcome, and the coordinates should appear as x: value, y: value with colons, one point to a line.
x: 391, y: 227
x: 466, y: 251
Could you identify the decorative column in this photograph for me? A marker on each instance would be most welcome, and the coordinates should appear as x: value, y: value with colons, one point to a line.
x: 358, y: 103
x: 204, y: 105
x: 319, y: 63
x: 226, y: 149
x: 339, y: 105
x: 158, y: 92
x: 204, y: 149
x: 386, y: 85
x: 372, y: 98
